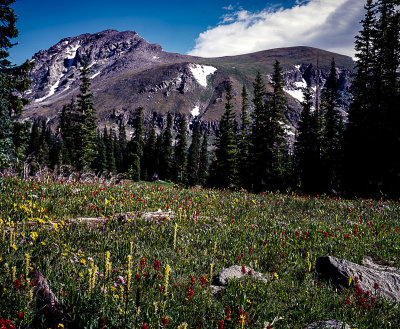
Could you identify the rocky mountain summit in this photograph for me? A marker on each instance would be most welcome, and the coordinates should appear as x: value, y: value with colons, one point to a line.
x: 128, y: 72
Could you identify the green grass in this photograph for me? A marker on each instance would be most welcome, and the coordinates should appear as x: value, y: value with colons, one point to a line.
x: 272, y: 233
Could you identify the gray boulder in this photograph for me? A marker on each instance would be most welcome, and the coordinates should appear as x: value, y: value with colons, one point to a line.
x: 330, y: 324
x: 234, y: 272
x: 339, y: 270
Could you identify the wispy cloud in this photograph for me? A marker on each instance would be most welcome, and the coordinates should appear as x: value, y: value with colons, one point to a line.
x: 326, y: 24
x: 230, y: 7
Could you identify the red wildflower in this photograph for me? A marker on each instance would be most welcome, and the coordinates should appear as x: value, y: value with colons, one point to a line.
x: 228, y: 313
x: 164, y: 321
x: 347, y: 301
x: 220, y: 324
x: 192, y: 281
x: 102, y: 322
x: 243, y: 269
x: 144, y: 326
x: 20, y: 316
x: 190, y: 292
x: 157, y: 265
x: 142, y: 262
x: 376, y: 285
x: 203, y: 280
x: 249, y: 272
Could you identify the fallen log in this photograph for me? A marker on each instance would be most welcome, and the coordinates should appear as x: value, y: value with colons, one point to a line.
x: 51, y: 309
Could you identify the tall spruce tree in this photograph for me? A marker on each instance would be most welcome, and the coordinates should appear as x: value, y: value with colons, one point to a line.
x: 193, y: 163
x: 120, y: 149
x: 245, y: 141
x: 69, y: 128
x: 372, y: 134
x: 87, y: 124
x: 225, y: 165
x: 13, y: 81
x: 306, y: 151
x: 100, y: 163
x: 137, y: 145
x: 166, y: 159
x: 150, y: 154
x: 387, y: 51
x: 331, y: 152
x: 180, y: 154
x: 278, y: 168
x: 159, y: 157
x: 203, y: 161
x: 260, y: 152
x: 109, y: 150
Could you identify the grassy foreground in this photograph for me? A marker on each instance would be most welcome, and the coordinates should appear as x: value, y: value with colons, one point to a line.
x: 141, y: 273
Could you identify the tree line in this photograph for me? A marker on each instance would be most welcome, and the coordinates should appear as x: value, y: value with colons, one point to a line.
x: 356, y: 155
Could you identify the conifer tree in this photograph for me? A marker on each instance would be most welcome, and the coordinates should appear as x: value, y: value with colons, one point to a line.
x: 331, y: 153
x: 372, y: 134
x: 180, y: 154
x: 100, y: 163
x: 87, y: 125
x: 109, y: 150
x: 387, y: 101
x: 120, y: 156
x: 276, y: 134
x: 150, y: 154
x: 166, y: 160
x: 194, y: 156
x: 137, y: 145
x: 244, y: 144
x: 20, y: 138
x: 13, y: 80
x: 159, y: 155
x: 69, y: 128
x: 34, y: 139
x: 225, y: 165
x: 306, y: 147
x: 42, y: 155
x: 260, y: 153
x: 203, y: 162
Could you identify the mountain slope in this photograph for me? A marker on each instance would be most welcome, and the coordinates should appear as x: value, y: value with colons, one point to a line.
x: 128, y: 72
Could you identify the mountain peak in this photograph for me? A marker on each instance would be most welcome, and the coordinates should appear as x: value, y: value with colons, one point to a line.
x: 128, y: 72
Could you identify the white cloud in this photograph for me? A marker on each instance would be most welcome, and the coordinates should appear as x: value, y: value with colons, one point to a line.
x: 230, y: 7
x: 326, y: 24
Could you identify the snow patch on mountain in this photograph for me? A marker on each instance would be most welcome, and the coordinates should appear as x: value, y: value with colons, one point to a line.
x: 301, y: 84
x: 297, y: 94
x: 95, y: 75
x: 196, y: 111
x: 71, y: 51
x: 53, y: 89
x: 201, y: 72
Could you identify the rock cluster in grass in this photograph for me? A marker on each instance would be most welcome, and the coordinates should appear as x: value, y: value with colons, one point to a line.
x: 329, y: 324
x: 377, y: 279
x: 221, y: 280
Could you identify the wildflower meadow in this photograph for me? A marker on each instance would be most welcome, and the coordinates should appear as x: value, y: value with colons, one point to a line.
x: 113, y: 261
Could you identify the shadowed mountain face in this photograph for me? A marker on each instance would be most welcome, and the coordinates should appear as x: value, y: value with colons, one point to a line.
x: 128, y: 72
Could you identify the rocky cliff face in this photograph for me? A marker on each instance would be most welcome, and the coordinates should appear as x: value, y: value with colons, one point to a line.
x: 128, y: 72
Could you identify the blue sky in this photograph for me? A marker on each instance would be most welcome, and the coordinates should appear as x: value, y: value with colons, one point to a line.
x: 206, y: 28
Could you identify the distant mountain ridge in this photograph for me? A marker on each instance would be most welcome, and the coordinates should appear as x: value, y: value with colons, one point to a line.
x: 128, y: 72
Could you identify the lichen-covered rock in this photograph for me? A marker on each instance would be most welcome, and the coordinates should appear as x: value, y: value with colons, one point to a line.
x: 329, y: 324
x: 377, y: 279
